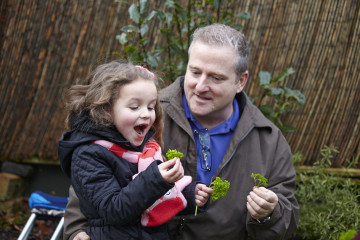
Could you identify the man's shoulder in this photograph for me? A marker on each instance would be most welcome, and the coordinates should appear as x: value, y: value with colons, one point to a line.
x: 253, y: 113
x: 171, y: 90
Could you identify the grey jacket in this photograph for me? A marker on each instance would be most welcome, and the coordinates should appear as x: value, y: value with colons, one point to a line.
x: 257, y: 146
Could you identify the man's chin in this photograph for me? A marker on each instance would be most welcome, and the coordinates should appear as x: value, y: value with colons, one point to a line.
x: 200, y: 113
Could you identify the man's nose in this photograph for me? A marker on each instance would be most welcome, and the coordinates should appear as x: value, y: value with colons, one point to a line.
x: 203, y: 84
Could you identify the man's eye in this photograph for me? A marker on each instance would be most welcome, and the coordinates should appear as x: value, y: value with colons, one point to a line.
x: 217, y: 78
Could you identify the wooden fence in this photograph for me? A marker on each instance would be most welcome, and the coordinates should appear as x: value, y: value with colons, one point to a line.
x: 48, y: 45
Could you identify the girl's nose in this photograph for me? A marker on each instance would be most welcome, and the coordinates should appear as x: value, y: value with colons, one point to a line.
x: 145, y: 113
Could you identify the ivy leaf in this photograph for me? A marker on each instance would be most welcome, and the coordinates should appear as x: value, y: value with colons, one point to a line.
x: 144, y: 28
x: 300, y: 97
x: 285, y: 73
x: 122, y: 38
x: 129, y: 28
x: 151, y: 15
x: 264, y: 79
x: 152, y: 61
x: 266, y: 110
x: 275, y: 91
x: 143, y: 5
x: 243, y: 15
x: 134, y: 13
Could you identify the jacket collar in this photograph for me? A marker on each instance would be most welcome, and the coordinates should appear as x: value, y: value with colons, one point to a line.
x: 250, y: 115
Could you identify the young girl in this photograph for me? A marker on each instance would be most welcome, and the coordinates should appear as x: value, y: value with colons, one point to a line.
x: 116, y: 125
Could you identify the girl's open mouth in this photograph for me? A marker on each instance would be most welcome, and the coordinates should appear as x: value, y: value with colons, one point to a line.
x: 140, y: 129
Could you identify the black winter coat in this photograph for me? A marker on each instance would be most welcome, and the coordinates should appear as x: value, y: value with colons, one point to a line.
x: 109, y: 198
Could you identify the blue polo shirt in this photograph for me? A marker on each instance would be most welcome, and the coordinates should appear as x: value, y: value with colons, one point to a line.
x: 220, y: 137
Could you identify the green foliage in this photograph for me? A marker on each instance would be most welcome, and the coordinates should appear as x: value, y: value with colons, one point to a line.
x: 297, y: 158
x: 284, y: 98
x: 134, y: 37
x: 220, y: 189
x: 259, y: 180
x: 347, y: 235
x: 328, y: 204
x: 174, y: 154
x: 176, y: 24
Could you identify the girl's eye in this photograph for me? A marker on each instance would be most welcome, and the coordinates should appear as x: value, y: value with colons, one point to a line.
x: 134, y: 107
x: 151, y: 108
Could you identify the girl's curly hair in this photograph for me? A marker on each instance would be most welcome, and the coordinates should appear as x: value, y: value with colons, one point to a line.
x: 102, y: 88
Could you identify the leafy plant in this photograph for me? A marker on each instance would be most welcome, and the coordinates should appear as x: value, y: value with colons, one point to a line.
x: 220, y: 189
x: 259, y: 180
x: 176, y: 24
x: 170, y: 54
x: 347, y: 235
x: 170, y: 154
x: 134, y: 36
x: 284, y: 98
x: 328, y: 204
x: 297, y: 158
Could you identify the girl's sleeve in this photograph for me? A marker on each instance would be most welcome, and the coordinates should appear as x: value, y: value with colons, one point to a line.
x: 95, y: 182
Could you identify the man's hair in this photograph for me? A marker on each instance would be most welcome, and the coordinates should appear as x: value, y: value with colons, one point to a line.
x: 223, y: 35
x: 101, y: 89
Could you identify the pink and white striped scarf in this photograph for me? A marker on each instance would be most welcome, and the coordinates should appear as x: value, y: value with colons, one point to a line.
x: 168, y: 205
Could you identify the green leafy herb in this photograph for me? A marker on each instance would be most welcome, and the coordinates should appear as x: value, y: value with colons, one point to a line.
x: 259, y: 180
x: 350, y: 234
x: 220, y: 189
x: 173, y: 154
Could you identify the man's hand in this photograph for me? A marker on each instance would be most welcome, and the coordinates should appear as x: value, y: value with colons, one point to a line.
x: 261, y: 202
x: 202, y: 194
x: 81, y: 236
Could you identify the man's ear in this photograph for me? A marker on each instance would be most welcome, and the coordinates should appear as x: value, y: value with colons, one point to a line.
x: 242, y: 81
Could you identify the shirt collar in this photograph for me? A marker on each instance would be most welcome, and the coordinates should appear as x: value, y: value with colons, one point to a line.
x: 225, y: 127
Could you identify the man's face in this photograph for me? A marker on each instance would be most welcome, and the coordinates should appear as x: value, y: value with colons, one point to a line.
x: 211, y: 83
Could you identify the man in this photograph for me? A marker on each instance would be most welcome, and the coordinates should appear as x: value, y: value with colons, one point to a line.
x: 210, y: 119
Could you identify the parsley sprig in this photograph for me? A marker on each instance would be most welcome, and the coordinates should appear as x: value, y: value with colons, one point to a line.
x: 220, y: 189
x: 173, y: 154
x: 259, y: 180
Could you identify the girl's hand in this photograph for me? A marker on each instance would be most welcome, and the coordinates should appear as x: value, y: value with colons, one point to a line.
x: 175, y: 173
x: 202, y: 194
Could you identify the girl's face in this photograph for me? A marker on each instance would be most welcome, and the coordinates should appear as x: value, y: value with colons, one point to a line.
x: 133, y: 112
